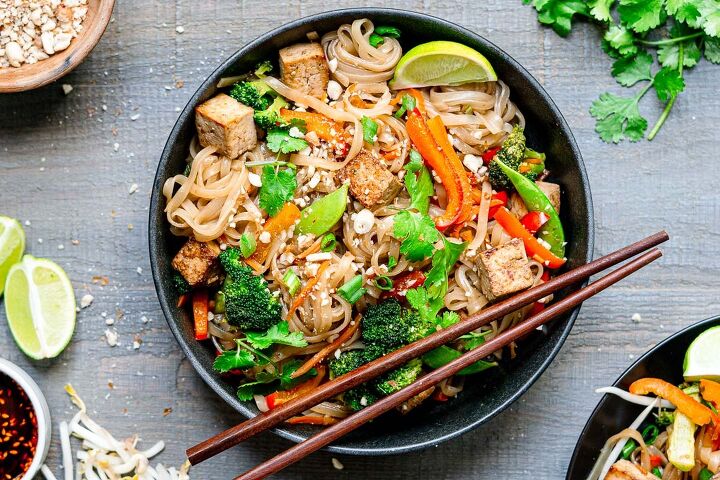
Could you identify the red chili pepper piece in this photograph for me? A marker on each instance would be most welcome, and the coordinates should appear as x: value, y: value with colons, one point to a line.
x: 403, y: 283
x: 488, y: 155
x: 534, y: 221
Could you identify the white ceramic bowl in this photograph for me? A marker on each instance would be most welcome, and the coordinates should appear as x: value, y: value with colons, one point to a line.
x: 42, y: 413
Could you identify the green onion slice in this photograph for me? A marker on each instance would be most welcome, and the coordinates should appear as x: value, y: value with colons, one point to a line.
x: 291, y: 281
x: 328, y: 243
x: 383, y: 282
x: 352, y: 290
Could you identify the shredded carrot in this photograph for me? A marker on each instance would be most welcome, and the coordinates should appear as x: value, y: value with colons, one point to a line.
x: 311, y: 249
x: 257, y: 266
x: 439, y: 133
x: 312, y: 420
x: 695, y: 411
x: 285, y: 219
x: 307, y: 289
x: 710, y: 391
x: 476, y: 195
x: 329, y: 349
x: 182, y: 299
x: 391, y: 155
x: 466, y: 235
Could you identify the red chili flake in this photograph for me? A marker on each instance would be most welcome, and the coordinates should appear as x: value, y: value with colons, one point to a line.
x: 18, y: 429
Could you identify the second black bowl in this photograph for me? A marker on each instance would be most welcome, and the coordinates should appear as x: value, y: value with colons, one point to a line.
x: 485, y: 395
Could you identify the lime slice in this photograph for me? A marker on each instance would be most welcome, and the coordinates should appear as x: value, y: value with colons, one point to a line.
x: 441, y: 63
x: 702, y: 359
x: 12, y: 246
x: 40, y: 307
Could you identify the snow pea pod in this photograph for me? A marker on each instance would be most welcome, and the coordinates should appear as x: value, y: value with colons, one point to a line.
x: 536, y: 200
x: 324, y: 212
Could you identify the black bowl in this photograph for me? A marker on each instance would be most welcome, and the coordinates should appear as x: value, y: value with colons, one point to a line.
x: 485, y: 395
x: 613, y: 414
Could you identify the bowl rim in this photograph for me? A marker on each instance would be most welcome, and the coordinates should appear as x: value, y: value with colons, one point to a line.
x: 42, y: 413
x: 213, y: 381
x: 80, y: 48
x: 621, y: 377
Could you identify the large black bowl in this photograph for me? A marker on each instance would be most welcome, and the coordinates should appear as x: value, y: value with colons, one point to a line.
x: 613, y: 414
x: 485, y: 395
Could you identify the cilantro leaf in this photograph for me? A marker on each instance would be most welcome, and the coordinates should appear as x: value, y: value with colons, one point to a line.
x: 448, y: 319
x: 600, y: 9
x: 286, y: 380
x: 370, y: 128
x: 618, y: 118
x: 684, y: 11
x: 620, y: 40
x: 392, y: 262
x: 278, y: 187
x: 710, y: 12
x: 436, y: 281
x: 641, y: 15
x: 237, y: 359
x: 474, y: 339
x: 279, y: 140
x: 669, y: 55
x: 407, y: 103
x: 418, y: 234
x: 276, y: 335
x: 559, y: 13
x: 420, y: 186
x: 628, y: 71
x: 712, y: 50
x: 266, y: 382
x: 668, y: 83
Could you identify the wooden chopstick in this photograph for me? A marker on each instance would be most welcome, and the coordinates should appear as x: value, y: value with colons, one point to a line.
x: 332, y: 433
x: 259, y: 423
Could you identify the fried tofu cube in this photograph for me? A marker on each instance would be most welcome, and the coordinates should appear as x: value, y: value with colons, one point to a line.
x: 227, y: 125
x: 552, y: 191
x: 504, y: 270
x: 625, y: 470
x: 371, y: 182
x: 303, y: 67
x: 198, y: 263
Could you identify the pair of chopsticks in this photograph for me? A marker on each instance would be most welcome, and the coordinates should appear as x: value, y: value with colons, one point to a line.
x: 260, y: 423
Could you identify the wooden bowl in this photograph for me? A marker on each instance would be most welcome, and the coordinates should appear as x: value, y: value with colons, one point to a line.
x: 28, y: 77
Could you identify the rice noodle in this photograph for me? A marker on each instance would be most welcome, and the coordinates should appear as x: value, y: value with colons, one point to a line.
x: 634, y: 398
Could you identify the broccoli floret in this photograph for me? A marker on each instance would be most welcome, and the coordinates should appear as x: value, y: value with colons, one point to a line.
x: 390, y: 325
x: 262, y: 68
x: 398, y: 379
x: 514, y: 154
x: 270, y: 117
x: 249, y: 304
x: 359, y: 397
x: 255, y: 94
x: 665, y: 417
x: 347, y: 362
x: 181, y: 285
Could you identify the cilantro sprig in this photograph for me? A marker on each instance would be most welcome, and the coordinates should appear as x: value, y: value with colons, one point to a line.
x: 278, y: 188
x: 680, y: 31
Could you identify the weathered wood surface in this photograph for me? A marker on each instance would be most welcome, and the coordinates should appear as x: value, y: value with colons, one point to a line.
x: 68, y: 162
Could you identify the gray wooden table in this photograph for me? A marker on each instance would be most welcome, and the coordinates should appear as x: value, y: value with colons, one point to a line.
x: 67, y: 164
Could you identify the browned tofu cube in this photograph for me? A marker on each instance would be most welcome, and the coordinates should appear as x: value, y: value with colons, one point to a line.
x: 552, y: 191
x: 625, y: 470
x: 303, y: 67
x: 504, y: 270
x: 227, y: 125
x: 371, y: 182
x: 198, y: 263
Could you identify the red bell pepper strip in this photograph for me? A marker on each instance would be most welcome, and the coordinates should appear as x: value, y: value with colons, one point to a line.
x: 499, y: 199
x: 423, y: 141
x: 488, y: 155
x: 534, y: 221
x: 439, y: 396
x: 284, y: 396
x: 200, y: 314
x: 655, y: 461
x: 440, y: 135
x: 406, y: 281
x: 516, y: 230
x: 694, y: 410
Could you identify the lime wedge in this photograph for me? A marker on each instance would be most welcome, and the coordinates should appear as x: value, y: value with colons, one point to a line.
x: 441, y: 63
x: 702, y: 359
x: 40, y: 307
x: 12, y: 246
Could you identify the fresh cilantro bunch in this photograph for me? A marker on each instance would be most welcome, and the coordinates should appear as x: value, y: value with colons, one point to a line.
x: 680, y: 31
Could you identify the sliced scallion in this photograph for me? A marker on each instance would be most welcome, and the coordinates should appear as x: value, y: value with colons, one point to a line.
x: 328, y: 243
x: 383, y: 282
x: 352, y: 290
x: 247, y: 244
x: 291, y: 281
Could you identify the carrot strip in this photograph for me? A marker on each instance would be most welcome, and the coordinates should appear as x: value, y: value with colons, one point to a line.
x: 419, y: 99
x: 200, y: 314
x: 327, y: 350
x: 312, y: 420
x: 440, y: 134
x: 710, y: 391
x: 182, y: 299
x: 284, y: 396
x: 325, y: 128
x: 307, y: 289
x: 311, y: 249
x: 515, y: 229
x: 694, y: 410
x: 285, y: 219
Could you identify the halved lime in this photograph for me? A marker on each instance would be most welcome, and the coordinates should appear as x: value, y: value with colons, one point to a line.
x: 12, y: 246
x: 702, y: 359
x: 40, y: 307
x: 441, y: 63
